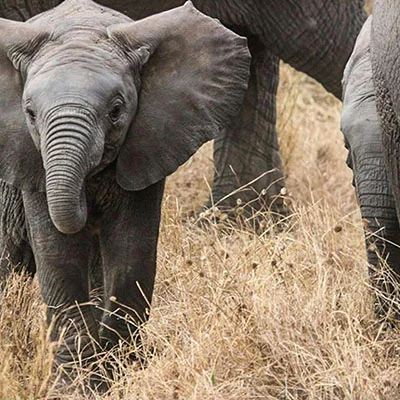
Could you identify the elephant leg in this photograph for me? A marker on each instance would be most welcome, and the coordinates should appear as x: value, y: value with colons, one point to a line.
x: 15, y: 251
x: 62, y: 268
x: 363, y: 136
x: 128, y: 241
x: 378, y: 210
x: 249, y: 151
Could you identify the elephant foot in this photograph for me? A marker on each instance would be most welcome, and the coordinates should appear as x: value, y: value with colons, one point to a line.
x: 78, y: 355
x: 129, y: 352
x: 100, y: 379
x: 84, y: 377
x: 121, y: 336
x: 75, y: 386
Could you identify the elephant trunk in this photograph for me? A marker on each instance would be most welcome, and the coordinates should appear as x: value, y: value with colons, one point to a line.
x: 66, y: 158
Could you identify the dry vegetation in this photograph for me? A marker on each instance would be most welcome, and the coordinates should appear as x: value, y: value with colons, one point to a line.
x: 368, y: 5
x: 282, y: 315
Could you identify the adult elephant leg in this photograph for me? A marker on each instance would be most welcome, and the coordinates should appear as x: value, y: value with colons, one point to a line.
x: 249, y: 151
x: 62, y: 268
x: 15, y: 251
x: 129, y: 244
x: 363, y: 136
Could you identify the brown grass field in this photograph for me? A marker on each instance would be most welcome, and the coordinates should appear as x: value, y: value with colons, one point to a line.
x: 236, y: 315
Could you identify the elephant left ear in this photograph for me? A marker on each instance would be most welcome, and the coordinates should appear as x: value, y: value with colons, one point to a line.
x: 20, y: 162
x: 193, y: 85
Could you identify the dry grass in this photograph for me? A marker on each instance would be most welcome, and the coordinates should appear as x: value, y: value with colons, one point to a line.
x: 369, y: 5
x: 284, y: 315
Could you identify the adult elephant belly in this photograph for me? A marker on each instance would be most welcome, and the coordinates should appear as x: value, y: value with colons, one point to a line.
x: 315, y: 37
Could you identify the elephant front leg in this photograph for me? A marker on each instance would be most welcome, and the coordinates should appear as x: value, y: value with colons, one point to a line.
x: 363, y: 136
x: 62, y: 269
x: 129, y: 244
x: 15, y: 251
x: 249, y: 152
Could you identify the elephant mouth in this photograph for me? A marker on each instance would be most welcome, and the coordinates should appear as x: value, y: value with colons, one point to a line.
x: 109, y: 156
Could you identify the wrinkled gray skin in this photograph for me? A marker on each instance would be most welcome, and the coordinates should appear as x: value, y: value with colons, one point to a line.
x: 315, y: 37
x: 95, y: 111
x: 371, y: 130
x: 385, y: 58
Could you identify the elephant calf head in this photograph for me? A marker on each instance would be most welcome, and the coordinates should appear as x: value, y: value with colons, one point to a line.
x: 82, y: 86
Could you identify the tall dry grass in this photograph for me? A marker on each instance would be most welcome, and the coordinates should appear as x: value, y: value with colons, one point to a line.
x: 281, y: 315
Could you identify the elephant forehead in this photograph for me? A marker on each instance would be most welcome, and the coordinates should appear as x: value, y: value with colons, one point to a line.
x: 83, y: 49
x: 78, y: 32
x: 67, y: 80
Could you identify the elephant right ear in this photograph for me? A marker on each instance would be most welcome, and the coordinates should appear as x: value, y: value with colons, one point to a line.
x: 20, y: 162
x: 193, y: 81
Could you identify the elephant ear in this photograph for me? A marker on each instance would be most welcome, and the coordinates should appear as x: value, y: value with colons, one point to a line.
x: 192, y: 86
x: 20, y: 162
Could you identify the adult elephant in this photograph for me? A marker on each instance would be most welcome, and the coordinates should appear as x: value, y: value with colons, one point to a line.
x: 315, y: 37
x: 371, y: 126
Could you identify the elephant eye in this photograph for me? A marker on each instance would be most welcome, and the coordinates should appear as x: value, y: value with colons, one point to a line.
x: 116, y: 111
x: 31, y: 114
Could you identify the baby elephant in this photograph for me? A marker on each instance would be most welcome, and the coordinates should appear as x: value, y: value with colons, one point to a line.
x: 96, y: 110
